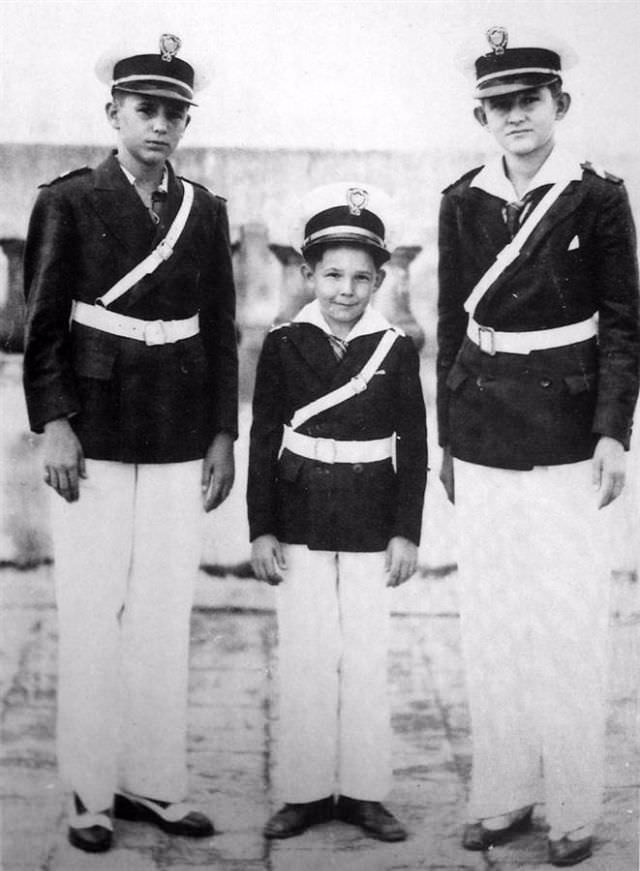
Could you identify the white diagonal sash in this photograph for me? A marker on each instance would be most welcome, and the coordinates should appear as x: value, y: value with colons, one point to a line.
x: 511, y: 251
x: 160, y: 253
x: 356, y: 385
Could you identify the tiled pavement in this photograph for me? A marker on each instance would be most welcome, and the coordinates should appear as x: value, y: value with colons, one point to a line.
x: 233, y: 743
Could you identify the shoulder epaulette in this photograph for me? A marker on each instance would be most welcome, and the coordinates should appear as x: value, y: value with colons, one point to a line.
x: 601, y: 173
x: 466, y: 177
x: 279, y: 326
x: 202, y: 187
x: 65, y: 175
x: 196, y: 184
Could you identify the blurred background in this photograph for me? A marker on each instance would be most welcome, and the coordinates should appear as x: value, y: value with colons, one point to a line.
x: 300, y: 94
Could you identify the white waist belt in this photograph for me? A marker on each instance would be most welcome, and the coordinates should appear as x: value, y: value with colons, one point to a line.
x: 332, y: 451
x: 149, y: 332
x: 492, y: 342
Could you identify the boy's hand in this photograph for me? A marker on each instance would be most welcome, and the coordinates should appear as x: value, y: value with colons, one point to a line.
x: 608, y: 469
x: 267, y: 557
x: 218, y: 471
x: 401, y: 560
x: 63, y: 459
x: 446, y: 475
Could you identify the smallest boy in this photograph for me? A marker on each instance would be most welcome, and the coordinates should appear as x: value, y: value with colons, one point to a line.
x: 337, y: 472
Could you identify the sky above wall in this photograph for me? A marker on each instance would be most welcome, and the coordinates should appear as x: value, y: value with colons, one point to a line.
x: 332, y: 74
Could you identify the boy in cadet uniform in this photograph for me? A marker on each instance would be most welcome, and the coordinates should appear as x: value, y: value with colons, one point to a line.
x: 130, y: 370
x: 334, y: 519
x: 537, y: 382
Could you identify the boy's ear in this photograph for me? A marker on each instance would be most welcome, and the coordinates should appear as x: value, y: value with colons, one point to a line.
x: 480, y: 115
x: 563, y: 102
x: 307, y: 271
x: 187, y: 121
x: 380, y: 276
x: 111, y: 111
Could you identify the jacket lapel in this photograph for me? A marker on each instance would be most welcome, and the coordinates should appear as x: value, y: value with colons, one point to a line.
x: 565, y: 205
x: 314, y: 347
x: 121, y: 209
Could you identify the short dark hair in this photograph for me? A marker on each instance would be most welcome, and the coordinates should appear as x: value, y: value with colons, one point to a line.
x: 555, y: 87
x: 314, y: 253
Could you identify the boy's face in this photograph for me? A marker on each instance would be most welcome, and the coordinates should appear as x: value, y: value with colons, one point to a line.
x: 343, y: 283
x: 523, y: 123
x: 149, y: 128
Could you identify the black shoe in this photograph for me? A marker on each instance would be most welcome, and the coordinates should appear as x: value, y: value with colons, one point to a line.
x: 174, y: 819
x: 372, y: 817
x: 477, y: 837
x: 92, y: 833
x: 293, y: 819
x: 565, y: 852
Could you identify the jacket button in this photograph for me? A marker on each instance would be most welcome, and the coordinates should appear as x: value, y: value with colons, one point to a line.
x: 545, y: 382
x: 357, y: 468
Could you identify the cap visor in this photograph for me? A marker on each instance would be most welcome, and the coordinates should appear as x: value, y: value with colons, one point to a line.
x: 165, y: 93
x: 498, y: 89
x: 349, y: 239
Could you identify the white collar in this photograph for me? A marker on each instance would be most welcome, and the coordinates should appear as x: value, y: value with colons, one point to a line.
x: 163, y: 186
x: 370, y: 322
x: 559, y: 166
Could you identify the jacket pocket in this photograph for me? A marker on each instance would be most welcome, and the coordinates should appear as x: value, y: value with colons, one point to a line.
x: 457, y: 376
x: 583, y: 383
x: 289, y: 466
x: 94, y: 353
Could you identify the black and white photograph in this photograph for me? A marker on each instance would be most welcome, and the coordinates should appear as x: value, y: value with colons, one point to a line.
x: 320, y: 432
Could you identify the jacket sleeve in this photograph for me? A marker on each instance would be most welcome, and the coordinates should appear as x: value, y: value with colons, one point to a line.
x: 619, y: 319
x: 411, y: 447
x: 452, y: 317
x: 218, y: 327
x: 265, y: 440
x: 48, y: 282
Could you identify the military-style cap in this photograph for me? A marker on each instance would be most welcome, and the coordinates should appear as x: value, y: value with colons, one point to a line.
x: 157, y: 74
x: 505, y: 61
x: 347, y: 212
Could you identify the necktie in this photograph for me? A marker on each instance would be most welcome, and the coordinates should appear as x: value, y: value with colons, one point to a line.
x: 338, y: 346
x: 158, y: 199
x: 512, y: 213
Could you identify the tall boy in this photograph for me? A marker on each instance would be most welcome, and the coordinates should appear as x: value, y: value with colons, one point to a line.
x: 334, y: 519
x: 537, y: 381
x: 130, y: 370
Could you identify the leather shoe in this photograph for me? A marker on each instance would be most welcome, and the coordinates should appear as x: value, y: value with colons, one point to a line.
x: 293, y: 819
x: 477, y: 837
x: 565, y: 851
x: 90, y: 832
x: 174, y: 819
x: 372, y: 817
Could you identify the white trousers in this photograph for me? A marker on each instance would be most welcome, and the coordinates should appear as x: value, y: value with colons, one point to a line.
x: 333, y: 627
x: 126, y: 557
x: 534, y: 614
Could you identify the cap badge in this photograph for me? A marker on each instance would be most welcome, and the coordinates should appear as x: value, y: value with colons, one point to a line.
x: 169, y: 46
x: 357, y: 199
x: 498, y: 39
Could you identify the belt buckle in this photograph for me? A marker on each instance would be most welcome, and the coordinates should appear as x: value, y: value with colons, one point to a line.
x: 164, y: 250
x: 154, y: 333
x: 358, y: 384
x: 490, y: 333
x: 325, y: 450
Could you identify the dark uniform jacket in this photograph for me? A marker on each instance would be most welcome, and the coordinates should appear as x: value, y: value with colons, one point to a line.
x: 337, y: 507
x: 128, y: 401
x: 548, y: 407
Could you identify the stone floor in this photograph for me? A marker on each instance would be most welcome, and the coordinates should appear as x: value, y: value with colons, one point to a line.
x: 233, y: 742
